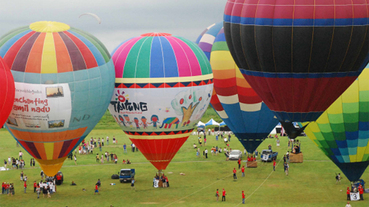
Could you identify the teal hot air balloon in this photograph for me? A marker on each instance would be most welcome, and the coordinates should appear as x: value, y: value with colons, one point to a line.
x: 342, y: 131
x: 64, y: 79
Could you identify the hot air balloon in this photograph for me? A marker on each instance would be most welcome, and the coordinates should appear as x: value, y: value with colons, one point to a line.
x: 64, y: 80
x: 163, y: 87
x: 299, y: 56
x: 342, y: 131
x: 244, y: 112
x: 7, y: 91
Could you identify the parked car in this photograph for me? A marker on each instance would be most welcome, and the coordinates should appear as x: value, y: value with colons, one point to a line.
x: 268, y: 155
x: 235, y: 155
x: 126, y: 175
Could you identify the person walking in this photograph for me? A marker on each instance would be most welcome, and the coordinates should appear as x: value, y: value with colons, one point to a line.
x: 239, y: 163
x: 274, y: 163
x: 224, y: 195
x: 243, y: 171
x: 243, y: 197
x: 217, y: 194
x: 38, y: 191
x: 234, y: 174
x: 25, y: 186
x: 96, y: 189
x: 285, y: 167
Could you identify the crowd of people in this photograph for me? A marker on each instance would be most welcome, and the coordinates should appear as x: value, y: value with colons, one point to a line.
x: 18, y: 162
x: 160, y: 181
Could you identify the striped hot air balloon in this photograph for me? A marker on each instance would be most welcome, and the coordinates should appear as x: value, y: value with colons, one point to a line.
x: 342, y: 131
x: 240, y: 107
x: 299, y: 56
x: 64, y: 80
x: 163, y: 87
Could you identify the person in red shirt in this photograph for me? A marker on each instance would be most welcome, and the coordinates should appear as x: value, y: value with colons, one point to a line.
x: 361, y: 192
x: 96, y: 189
x: 234, y: 173
x: 217, y: 194
x: 25, y: 186
x: 254, y: 158
x: 243, y: 197
x: 243, y: 171
x: 348, y: 193
x: 223, y: 195
x: 248, y: 159
x: 274, y: 163
x: 239, y: 163
x: 34, y: 186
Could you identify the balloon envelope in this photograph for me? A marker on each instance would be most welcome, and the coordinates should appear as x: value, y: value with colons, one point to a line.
x: 342, y: 131
x: 163, y: 87
x: 7, y: 91
x: 241, y: 108
x: 64, y: 80
x: 298, y: 56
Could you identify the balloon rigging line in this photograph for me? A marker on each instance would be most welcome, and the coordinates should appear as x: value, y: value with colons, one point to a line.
x: 261, y: 183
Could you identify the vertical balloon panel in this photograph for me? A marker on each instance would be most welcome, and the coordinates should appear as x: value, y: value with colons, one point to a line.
x: 7, y: 90
x: 64, y: 80
x: 163, y: 87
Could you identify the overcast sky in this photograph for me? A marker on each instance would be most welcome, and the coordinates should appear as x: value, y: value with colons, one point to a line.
x: 121, y: 19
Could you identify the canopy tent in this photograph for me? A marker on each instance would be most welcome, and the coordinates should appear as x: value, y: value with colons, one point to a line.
x: 212, y: 122
x: 222, y: 124
x: 200, y: 123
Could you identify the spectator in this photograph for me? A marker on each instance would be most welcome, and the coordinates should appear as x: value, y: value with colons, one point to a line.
x: 243, y: 197
x: 348, y: 193
x: 224, y: 195
x: 274, y: 163
x: 234, y: 173
x: 217, y: 194
x: 125, y: 148
x: 243, y: 171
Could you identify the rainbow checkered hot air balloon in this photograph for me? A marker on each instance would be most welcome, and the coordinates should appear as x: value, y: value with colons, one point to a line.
x: 163, y: 87
x: 234, y: 100
x: 299, y: 56
x: 342, y: 131
x: 64, y: 80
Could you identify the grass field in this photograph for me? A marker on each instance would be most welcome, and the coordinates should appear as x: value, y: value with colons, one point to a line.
x: 310, y: 183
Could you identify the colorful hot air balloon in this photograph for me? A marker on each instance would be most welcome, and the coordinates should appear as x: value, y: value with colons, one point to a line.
x: 64, y: 80
x: 163, y: 87
x: 7, y: 91
x: 299, y: 56
x: 342, y: 131
x: 244, y: 112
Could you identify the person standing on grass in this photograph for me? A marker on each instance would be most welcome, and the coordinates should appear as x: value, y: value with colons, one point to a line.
x: 274, y: 163
x: 75, y: 159
x: 38, y: 191
x: 361, y: 192
x: 234, y: 173
x: 206, y: 153
x: 125, y: 148
x: 224, y: 195
x: 285, y: 168
x: 348, y: 204
x: 243, y: 197
x: 217, y: 194
x: 239, y: 163
x: 243, y: 171
x: 348, y: 193
x: 21, y: 176
x: 34, y: 186
x: 133, y: 184
x: 102, y: 159
x: 25, y: 186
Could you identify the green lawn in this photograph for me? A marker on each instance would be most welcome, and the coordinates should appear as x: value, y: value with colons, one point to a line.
x: 310, y: 183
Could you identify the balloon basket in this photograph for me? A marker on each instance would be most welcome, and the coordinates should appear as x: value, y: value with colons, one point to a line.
x: 252, y: 164
x: 296, y: 158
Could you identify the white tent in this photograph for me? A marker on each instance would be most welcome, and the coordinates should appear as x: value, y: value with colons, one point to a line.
x: 212, y: 122
x: 200, y: 123
x: 222, y: 124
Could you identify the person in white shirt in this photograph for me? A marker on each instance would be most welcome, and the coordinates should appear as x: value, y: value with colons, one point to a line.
x: 348, y: 204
